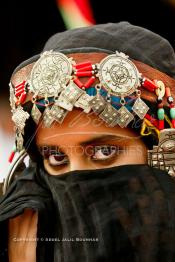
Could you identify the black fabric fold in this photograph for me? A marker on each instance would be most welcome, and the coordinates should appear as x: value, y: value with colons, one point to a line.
x: 26, y: 192
x: 123, y: 37
x: 124, y: 213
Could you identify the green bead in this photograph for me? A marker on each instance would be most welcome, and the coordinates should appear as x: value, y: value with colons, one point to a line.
x: 172, y: 113
x: 160, y: 113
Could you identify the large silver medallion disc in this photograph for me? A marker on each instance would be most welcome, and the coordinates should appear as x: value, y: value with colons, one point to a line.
x: 50, y: 73
x: 119, y: 74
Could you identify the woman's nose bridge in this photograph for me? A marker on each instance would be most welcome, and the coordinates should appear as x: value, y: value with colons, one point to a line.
x: 78, y: 165
x: 78, y: 158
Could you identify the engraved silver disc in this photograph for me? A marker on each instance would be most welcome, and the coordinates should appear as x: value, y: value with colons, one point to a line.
x: 119, y: 74
x: 50, y: 73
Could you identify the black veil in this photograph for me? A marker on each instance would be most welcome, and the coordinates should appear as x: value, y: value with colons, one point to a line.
x: 124, y: 213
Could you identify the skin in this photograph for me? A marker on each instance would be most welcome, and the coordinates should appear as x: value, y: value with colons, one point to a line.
x: 80, y: 139
x: 21, y: 228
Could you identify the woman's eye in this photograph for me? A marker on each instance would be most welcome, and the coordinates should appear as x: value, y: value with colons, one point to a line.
x: 56, y: 160
x: 104, y: 152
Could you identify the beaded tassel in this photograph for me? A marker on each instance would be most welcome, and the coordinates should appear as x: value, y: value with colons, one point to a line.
x: 170, y: 101
x: 160, y: 92
x: 161, y: 115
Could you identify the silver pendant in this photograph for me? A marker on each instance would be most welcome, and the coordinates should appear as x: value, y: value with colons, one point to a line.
x: 19, y: 118
x: 162, y: 156
x: 140, y: 108
x: 47, y: 117
x: 58, y: 113
x: 36, y: 114
x: 97, y: 104
x: 109, y: 115
x: 124, y: 117
x: 83, y: 102
x: 69, y: 96
x: 50, y: 73
x: 19, y: 141
x: 119, y: 74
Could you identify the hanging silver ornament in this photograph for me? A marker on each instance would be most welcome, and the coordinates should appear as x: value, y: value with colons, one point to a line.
x: 36, y: 114
x: 19, y: 118
x: 124, y: 117
x: 69, y: 96
x: 140, y: 108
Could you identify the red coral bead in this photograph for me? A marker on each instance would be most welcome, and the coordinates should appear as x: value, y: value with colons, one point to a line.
x: 78, y: 82
x: 173, y: 123
x: 148, y: 84
x: 10, y: 159
x: 89, y: 82
x: 22, y: 98
x: 84, y: 73
x: 80, y: 65
x: 161, y: 124
x: 86, y: 68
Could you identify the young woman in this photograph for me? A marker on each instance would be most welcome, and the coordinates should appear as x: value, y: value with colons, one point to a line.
x: 92, y: 119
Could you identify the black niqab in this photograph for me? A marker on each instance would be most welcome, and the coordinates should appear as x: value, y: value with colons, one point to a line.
x: 124, y: 213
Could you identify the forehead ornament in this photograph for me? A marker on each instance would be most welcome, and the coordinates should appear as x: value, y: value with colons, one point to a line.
x: 112, y: 91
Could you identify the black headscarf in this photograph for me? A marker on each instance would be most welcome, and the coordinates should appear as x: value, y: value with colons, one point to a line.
x: 136, y: 42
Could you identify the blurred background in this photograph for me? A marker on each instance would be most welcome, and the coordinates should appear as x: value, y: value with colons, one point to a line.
x: 26, y: 25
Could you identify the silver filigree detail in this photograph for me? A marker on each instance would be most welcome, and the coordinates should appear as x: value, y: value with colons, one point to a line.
x: 19, y: 118
x: 119, y: 74
x: 50, y: 73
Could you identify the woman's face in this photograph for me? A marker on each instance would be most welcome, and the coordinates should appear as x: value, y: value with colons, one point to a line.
x: 83, y: 141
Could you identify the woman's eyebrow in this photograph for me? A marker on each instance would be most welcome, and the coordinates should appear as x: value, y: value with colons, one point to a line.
x: 104, y: 138
x: 93, y: 140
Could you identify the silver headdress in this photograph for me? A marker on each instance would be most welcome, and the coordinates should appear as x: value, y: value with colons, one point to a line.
x: 55, y: 84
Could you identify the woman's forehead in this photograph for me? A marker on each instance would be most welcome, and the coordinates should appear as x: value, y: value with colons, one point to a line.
x: 79, y: 125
